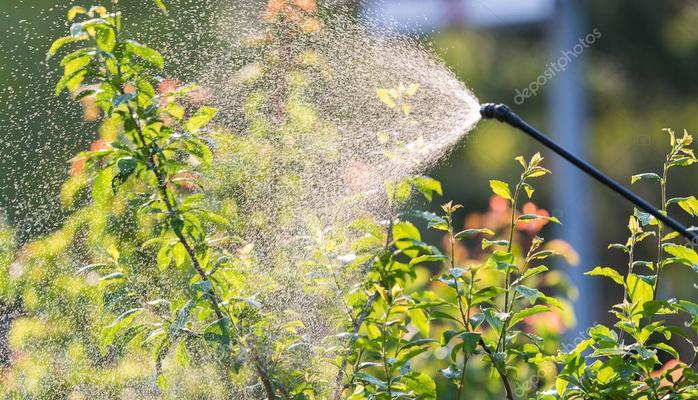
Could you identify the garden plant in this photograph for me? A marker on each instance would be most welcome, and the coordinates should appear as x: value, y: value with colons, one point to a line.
x: 155, y: 288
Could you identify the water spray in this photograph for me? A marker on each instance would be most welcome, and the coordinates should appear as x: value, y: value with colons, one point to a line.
x: 503, y: 113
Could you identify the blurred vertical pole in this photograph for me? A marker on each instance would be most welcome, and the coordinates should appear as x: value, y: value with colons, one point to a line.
x: 568, y: 122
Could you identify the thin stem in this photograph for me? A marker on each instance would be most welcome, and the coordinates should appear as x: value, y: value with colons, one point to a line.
x: 468, y: 327
x: 660, y: 229
x: 451, y: 241
x: 469, y: 299
x: 461, y: 308
x: 631, y: 259
x: 462, y: 377
x: 507, y: 276
x: 513, y: 298
x: 384, y: 353
x: 513, y: 215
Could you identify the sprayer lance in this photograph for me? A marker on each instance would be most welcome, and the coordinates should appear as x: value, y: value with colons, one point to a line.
x: 502, y: 113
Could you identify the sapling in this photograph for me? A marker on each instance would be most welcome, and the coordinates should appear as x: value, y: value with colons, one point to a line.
x: 625, y: 362
x: 157, y: 130
x: 500, y: 318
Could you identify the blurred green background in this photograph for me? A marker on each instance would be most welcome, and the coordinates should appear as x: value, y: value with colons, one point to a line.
x: 639, y: 77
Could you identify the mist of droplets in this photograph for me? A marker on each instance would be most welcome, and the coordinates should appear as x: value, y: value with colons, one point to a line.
x: 381, y: 108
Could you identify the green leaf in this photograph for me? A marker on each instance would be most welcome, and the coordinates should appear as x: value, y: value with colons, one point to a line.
x: 201, y: 118
x: 690, y: 205
x: 529, y: 293
x: 106, y: 37
x: 371, y: 380
x: 419, y: 319
x: 665, y: 347
x: 502, y: 260
x: 60, y: 42
x: 420, y: 385
x: 428, y: 258
x: 182, y: 354
x: 470, y: 341
x: 653, y: 307
x: 486, y: 294
x: 145, y: 53
x: 442, y: 315
x: 71, y: 81
x: 75, y: 65
x: 175, y: 110
x: 645, y: 218
x: 90, y: 267
x: 448, y: 335
x: 405, y: 230
x: 438, y: 223
x: 489, y: 243
x: 161, y: 5
x: 501, y: 189
x: 126, y: 316
x: 495, y: 318
x: 687, y: 306
x: 551, y: 301
x: 472, y: 232
x: 531, y: 272
x: 541, y: 255
x: 164, y: 258
x: 75, y: 11
x: 529, y: 190
x: 607, y: 272
x: 560, y: 386
x: 682, y: 161
x: 399, y: 192
x: 109, y: 332
x: 204, y: 287
x: 639, y: 290
x: 531, y: 217
x: 113, y: 276
x: 427, y: 186
x: 537, y: 172
x: 419, y: 343
x: 651, y: 176
x: 519, y: 316
x: 180, y: 255
x: 102, y: 187
x: 182, y: 316
x: 603, y: 336
x: 125, y: 167
x: 683, y: 254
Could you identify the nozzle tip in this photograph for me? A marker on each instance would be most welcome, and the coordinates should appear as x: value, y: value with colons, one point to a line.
x: 494, y: 111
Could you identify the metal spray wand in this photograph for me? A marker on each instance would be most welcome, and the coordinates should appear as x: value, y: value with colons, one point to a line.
x: 502, y: 113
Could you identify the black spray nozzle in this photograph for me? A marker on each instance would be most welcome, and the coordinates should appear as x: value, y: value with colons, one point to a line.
x: 494, y: 111
x: 503, y: 113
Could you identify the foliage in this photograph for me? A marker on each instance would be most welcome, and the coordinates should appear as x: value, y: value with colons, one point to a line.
x: 625, y: 363
x: 151, y: 289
